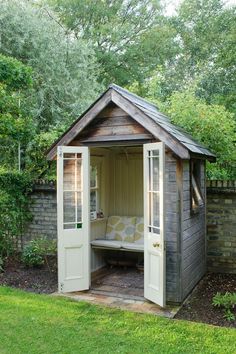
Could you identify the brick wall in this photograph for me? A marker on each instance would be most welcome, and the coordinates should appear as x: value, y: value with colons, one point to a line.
x: 221, y: 221
x: 43, y: 207
x: 221, y: 226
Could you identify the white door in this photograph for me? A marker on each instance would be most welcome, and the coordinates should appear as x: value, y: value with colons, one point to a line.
x: 154, y: 240
x: 73, y: 218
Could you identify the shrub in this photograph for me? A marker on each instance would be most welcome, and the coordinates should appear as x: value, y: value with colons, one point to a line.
x: 228, y: 302
x: 36, y: 253
x: 31, y: 255
x: 14, y: 189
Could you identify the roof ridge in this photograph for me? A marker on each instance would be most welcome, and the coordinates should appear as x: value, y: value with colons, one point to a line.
x: 121, y: 89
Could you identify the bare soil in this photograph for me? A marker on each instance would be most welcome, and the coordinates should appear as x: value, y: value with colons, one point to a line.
x: 198, y: 306
x: 41, y: 280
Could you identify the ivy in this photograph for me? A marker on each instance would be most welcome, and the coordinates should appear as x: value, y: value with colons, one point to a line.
x: 14, y: 209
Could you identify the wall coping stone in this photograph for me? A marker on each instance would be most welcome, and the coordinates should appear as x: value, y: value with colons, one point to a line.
x: 221, y: 186
x: 44, y: 185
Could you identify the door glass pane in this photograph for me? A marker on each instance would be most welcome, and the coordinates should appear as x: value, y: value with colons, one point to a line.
x: 93, y: 177
x: 155, y: 174
x: 93, y: 201
x: 150, y: 208
x: 79, y: 175
x: 68, y: 155
x: 149, y: 174
x: 156, y: 210
x: 79, y: 207
x: 69, y: 207
x: 69, y: 174
x: 155, y: 153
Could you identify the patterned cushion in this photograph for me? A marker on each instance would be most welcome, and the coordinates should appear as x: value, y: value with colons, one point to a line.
x: 121, y: 228
x: 139, y: 231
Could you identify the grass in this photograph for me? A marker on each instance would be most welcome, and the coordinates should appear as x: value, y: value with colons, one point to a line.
x: 31, y: 323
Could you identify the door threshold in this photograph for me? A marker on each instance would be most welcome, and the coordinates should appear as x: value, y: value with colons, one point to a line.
x: 128, y: 304
x: 120, y: 296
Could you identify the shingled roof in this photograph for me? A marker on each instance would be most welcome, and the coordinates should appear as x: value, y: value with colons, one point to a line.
x: 148, y: 110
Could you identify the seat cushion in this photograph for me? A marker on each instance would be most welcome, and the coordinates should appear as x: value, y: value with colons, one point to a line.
x: 132, y: 246
x: 106, y: 243
x: 139, y: 231
x: 121, y: 228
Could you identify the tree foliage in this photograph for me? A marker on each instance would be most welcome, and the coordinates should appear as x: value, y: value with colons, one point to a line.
x: 206, y: 37
x: 16, y: 126
x: 211, y: 125
x: 64, y: 68
x: 130, y: 38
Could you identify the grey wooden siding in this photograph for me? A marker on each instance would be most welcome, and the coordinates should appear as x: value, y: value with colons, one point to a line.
x: 172, y: 202
x: 193, y: 258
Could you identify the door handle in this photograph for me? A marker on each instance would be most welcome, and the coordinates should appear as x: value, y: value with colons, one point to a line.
x: 156, y: 244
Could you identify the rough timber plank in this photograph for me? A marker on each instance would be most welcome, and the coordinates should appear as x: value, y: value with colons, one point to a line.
x: 80, y: 124
x: 150, y: 125
x: 112, y: 111
x: 117, y: 138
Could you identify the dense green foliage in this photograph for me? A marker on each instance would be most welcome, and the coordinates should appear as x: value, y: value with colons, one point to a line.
x: 130, y: 38
x: 14, y: 189
x: 228, y: 302
x: 64, y: 69
x: 212, y: 125
x: 16, y: 125
x: 36, y: 252
x: 205, y: 32
x: 49, y: 324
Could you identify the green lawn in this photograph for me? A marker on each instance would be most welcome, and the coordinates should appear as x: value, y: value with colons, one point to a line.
x: 31, y: 323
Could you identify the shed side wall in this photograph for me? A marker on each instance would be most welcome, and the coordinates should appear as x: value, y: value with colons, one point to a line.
x: 172, y: 224
x: 194, y: 234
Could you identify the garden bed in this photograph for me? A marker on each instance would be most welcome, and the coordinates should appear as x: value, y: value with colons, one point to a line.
x: 198, y: 306
x: 41, y: 280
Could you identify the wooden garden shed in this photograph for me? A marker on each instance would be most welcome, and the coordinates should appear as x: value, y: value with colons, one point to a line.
x: 132, y: 183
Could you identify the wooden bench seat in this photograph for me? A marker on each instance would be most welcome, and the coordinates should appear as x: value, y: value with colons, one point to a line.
x: 122, y: 233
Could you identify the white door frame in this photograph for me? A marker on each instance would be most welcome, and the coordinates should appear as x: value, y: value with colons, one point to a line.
x: 73, y: 235
x: 154, y: 223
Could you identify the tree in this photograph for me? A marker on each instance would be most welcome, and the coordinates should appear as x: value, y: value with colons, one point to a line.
x: 16, y: 126
x: 64, y: 68
x: 130, y: 38
x: 205, y: 33
x: 212, y: 125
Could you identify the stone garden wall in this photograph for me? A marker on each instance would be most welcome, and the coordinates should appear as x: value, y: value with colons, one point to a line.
x: 221, y: 221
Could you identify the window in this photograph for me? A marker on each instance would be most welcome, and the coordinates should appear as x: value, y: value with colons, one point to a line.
x: 94, y: 190
x: 72, y: 191
x: 196, y: 194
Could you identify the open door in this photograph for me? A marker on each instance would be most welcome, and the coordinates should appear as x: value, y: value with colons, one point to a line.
x: 154, y: 241
x: 73, y: 218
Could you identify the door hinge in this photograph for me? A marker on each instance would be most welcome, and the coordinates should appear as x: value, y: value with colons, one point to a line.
x: 61, y: 286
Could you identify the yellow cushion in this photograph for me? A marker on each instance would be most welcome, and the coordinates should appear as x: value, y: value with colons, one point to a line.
x: 139, y: 231
x: 121, y: 228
